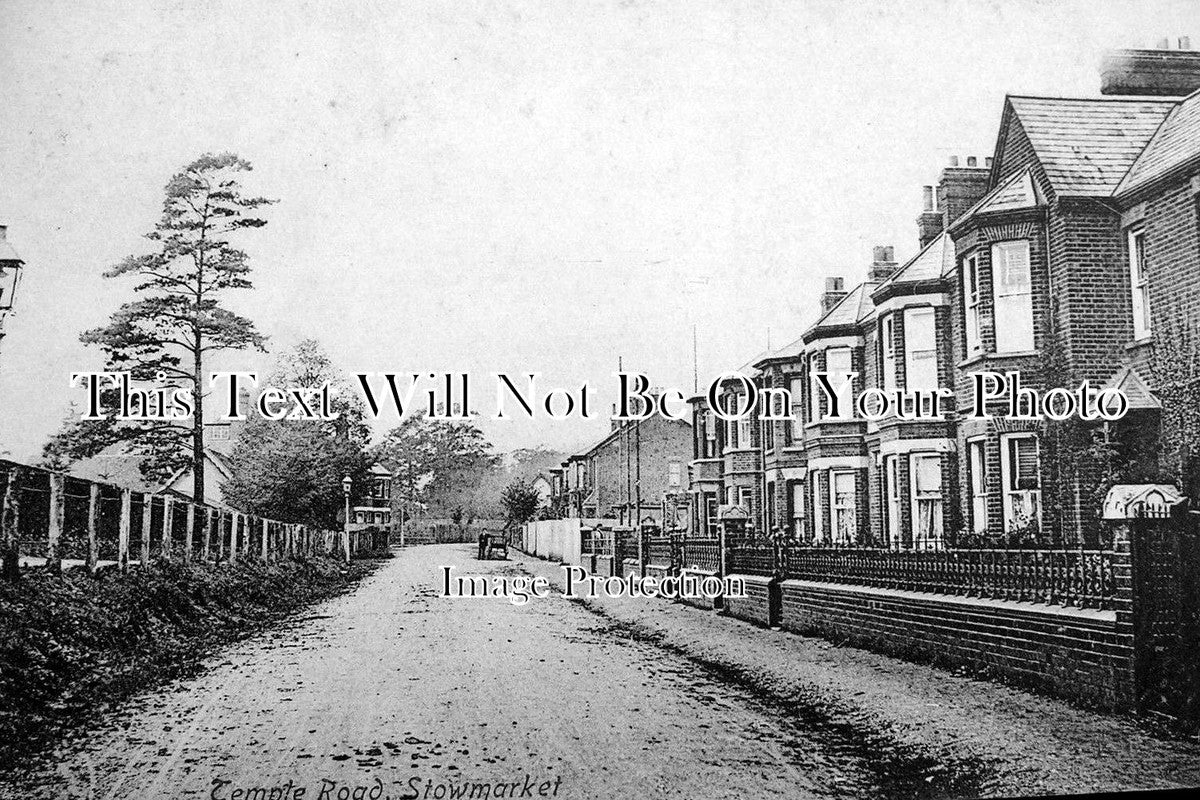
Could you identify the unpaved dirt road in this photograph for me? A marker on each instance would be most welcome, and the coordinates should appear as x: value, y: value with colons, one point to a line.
x: 393, y: 691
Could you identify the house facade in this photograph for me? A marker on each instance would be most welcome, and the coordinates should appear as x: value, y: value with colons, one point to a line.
x: 637, y: 471
x: 1070, y: 256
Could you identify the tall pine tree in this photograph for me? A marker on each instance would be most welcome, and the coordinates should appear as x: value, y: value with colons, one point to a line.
x: 177, y: 319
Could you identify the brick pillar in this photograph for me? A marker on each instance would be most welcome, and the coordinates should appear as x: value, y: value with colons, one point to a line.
x: 1124, y: 601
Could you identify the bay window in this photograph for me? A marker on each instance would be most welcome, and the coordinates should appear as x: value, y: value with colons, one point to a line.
x: 797, y: 498
x: 1013, y: 292
x: 837, y: 369
x: 843, y: 506
x: 1019, y: 468
x: 978, y: 475
x: 891, y: 487
x: 972, y: 301
x: 1138, y: 284
x: 887, y: 342
x: 920, y: 349
x: 927, y: 500
x: 795, y: 425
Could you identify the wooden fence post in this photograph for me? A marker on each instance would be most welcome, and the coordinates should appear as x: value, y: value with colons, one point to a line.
x: 265, y: 534
x: 54, y: 530
x: 167, y: 527
x: 93, y: 553
x: 10, y: 525
x: 123, y: 529
x: 147, y: 517
x: 191, y: 533
x: 208, y: 524
x: 233, y: 534
x: 220, y: 534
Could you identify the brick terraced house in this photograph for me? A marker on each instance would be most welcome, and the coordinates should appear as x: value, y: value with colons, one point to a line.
x: 1071, y: 254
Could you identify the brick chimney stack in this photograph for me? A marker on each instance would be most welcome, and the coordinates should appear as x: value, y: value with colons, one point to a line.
x: 960, y: 188
x: 883, y: 264
x: 1162, y: 71
x: 929, y: 223
x: 835, y: 290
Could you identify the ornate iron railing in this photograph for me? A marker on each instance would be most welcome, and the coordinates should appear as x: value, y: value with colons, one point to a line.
x: 1082, y: 578
x: 746, y: 558
x: 703, y: 554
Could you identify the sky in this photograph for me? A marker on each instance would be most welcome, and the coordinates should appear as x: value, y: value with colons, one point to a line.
x: 508, y: 186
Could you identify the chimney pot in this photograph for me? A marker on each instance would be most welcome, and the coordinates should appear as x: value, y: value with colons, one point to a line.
x: 927, y: 198
x: 1163, y: 44
x: 1185, y: 43
x: 834, y: 284
x: 987, y: 162
x: 954, y: 161
x: 972, y: 161
x: 3, y: 232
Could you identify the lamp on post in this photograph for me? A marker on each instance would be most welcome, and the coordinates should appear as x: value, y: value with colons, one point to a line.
x: 10, y: 276
x: 346, y: 484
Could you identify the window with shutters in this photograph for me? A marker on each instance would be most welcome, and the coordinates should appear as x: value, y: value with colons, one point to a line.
x: 972, y: 304
x: 887, y: 347
x: 843, y: 507
x: 976, y: 455
x: 927, y: 500
x: 891, y: 489
x: 920, y: 349
x: 1019, y: 466
x: 1013, y: 292
x: 1138, y: 284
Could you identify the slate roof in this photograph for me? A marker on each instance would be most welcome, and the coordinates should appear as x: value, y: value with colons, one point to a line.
x: 1176, y: 142
x: 934, y: 261
x: 852, y: 308
x: 1087, y: 145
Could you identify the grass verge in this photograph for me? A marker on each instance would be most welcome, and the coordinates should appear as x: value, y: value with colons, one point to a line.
x: 72, y: 645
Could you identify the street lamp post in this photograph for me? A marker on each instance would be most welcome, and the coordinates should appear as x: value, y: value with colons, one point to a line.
x: 346, y: 484
x: 10, y: 276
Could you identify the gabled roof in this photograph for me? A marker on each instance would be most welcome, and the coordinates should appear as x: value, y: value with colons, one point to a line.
x: 1176, y: 143
x: 1016, y: 192
x: 1086, y: 145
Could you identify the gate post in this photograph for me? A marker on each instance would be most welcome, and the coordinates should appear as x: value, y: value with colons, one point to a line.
x: 1128, y: 680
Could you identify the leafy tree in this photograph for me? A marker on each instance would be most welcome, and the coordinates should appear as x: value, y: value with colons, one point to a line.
x: 178, y: 317
x: 292, y: 470
x: 437, y: 462
x: 521, y: 501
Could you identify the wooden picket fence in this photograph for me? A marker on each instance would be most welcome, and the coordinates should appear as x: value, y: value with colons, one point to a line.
x: 57, y: 521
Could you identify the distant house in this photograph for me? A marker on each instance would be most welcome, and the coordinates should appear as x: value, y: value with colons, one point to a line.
x: 376, y: 508
x: 115, y: 466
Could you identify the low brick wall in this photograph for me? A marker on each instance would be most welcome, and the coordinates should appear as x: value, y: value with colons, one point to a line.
x: 756, y: 605
x: 1080, y: 654
x: 588, y: 562
x: 631, y: 566
x: 657, y: 570
x: 699, y: 575
x: 605, y: 567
